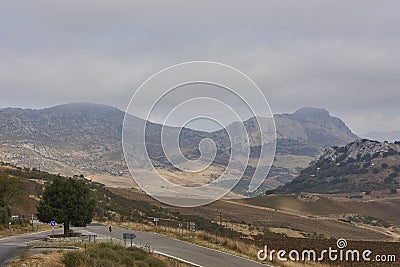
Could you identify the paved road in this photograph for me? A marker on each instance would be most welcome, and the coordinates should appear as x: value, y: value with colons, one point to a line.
x: 10, y: 246
x: 195, y: 254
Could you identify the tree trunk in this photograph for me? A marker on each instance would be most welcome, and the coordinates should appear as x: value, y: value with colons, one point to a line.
x: 66, y: 229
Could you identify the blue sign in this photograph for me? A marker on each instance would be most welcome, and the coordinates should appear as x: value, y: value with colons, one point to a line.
x: 52, y: 223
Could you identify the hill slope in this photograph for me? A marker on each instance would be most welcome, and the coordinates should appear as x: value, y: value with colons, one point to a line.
x: 361, y: 166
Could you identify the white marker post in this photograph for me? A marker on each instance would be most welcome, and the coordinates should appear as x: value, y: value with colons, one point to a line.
x: 180, y: 230
x: 156, y: 221
x: 52, y: 224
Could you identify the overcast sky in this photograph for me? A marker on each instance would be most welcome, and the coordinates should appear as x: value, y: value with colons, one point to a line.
x: 340, y: 55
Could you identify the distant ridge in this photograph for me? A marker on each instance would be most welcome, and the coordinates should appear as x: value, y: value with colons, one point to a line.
x: 86, y: 137
x: 382, y: 136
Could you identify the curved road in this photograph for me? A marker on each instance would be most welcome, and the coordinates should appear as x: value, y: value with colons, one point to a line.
x: 196, y: 255
x: 10, y: 246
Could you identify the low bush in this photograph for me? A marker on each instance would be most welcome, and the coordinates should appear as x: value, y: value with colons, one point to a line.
x: 110, y: 254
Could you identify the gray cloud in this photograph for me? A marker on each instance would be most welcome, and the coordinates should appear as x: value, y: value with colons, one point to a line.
x: 341, y: 55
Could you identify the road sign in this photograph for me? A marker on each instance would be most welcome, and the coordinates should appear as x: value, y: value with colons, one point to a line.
x: 156, y: 219
x: 128, y: 236
x: 52, y: 224
x: 192, y: 227
x: 92, y: 237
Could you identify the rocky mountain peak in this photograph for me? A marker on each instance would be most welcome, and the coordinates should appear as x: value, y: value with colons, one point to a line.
x: 310, y: 113
x: 315, y: 127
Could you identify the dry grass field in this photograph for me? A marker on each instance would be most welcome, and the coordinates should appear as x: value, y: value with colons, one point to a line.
x: 258, y: 216
x: 384, y: 208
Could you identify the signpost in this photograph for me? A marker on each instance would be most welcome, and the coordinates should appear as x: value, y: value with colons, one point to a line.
x: 92, y: 237
x: 180, y: 230
x: 192, y: 227
x: 156, y: 221
x: 52, y: 224
x: 126, y: 236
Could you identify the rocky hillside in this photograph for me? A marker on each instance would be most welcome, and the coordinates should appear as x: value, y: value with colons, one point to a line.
x: 307, y: 132
x: 314, y: 127
x: 84, y: 137
x: 361, y: 166
x: 76, y: 135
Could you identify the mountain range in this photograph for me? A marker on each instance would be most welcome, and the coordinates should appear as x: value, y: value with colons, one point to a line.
x: 86, y: 138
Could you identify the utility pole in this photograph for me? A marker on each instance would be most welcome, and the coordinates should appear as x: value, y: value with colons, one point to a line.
x: 220, y: 222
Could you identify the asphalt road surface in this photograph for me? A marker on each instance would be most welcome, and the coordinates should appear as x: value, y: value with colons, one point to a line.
x: 10, y: 246
x: 197, y: 255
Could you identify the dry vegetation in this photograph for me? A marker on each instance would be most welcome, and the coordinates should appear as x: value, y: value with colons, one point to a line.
x: 46, y: 259
x: 20, y: 229
x: 192, y: 178
x: 248, y: 248
x: 95, y: 255
x: 257, y: 216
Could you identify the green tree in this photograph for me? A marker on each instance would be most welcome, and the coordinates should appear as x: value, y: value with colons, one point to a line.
x: 67, y: 201
x: 10, y: 189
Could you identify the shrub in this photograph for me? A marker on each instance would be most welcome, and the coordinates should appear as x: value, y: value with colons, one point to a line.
x: 390, y: 152
x: 137, y: 253
x: 154, y: 262
x: 350, y: 160
x: 366, y: 157
x: 74, y: 258
x: 367, y: 164
x: 110, y: 254
x: 23, y: 254
x: 376, y: 154
x: 388, y: 180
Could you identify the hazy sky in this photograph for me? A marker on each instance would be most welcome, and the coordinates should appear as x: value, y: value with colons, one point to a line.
x: 340, y: 55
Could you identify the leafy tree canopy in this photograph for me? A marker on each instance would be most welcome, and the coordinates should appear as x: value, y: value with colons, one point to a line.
x: 68, y: 201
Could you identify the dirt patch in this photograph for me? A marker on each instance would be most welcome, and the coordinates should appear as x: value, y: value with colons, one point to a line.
x: 308, y: 197
x: 286, y: 231
x: 46, y: 259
